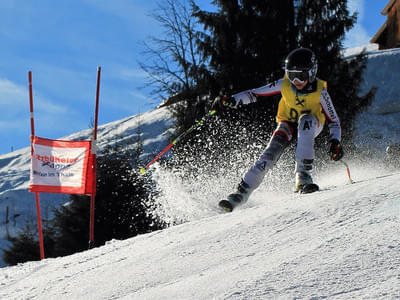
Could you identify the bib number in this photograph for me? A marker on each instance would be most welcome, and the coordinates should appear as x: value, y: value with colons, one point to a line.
x: 294, y: 115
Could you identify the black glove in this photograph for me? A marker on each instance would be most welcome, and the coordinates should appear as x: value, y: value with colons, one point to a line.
x: 335, y: 150
x: 223, y: 101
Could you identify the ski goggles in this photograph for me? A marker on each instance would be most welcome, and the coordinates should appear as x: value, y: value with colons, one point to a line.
x: 298, y: 75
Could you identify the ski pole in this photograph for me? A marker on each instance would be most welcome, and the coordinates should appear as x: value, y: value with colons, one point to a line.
x: 347, y: 170
x: 176, y: 140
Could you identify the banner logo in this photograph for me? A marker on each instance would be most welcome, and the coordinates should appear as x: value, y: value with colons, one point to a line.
x: 55, y: 162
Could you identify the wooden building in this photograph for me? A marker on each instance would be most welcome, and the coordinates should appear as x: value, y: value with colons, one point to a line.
x: 388, y: 36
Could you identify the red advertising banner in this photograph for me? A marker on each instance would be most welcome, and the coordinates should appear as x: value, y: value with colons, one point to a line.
x: 62, y: 167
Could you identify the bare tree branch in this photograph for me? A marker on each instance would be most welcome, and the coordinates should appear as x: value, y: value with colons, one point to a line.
x: 172, y: 62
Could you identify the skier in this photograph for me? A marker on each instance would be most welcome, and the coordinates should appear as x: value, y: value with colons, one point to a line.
x: 303, y: 109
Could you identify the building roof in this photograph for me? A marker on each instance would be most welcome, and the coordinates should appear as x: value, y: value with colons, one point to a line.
x: 378, y: 33
x: 382, y: 29
x: 388, y: 6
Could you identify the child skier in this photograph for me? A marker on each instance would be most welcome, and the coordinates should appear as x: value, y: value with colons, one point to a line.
x: 303, y: 109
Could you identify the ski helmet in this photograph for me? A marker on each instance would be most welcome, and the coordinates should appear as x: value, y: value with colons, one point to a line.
x: 301, y: 64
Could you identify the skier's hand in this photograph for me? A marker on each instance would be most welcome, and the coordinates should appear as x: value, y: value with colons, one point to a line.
x: 223, y: 101
x: 335, y: 150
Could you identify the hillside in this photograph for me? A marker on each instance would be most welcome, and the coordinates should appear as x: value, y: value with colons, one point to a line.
x: 375, y: 129
x: 340, y: 243
x: 154, y: 128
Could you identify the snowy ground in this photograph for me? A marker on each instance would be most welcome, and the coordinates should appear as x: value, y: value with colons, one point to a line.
x: 340, y: 243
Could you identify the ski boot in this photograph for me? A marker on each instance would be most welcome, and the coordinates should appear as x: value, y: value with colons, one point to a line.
x: 304, y: 182
x: 236, y: 199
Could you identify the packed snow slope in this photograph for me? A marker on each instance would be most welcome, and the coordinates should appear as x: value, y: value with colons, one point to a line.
x: 340, y: 243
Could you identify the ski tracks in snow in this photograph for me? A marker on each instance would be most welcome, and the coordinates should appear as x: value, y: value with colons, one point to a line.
x: 344, y: 245
x: 338, y: 244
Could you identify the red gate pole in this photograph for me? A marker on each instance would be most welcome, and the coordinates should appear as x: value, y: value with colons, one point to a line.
x: 94, y: 146
x: 41, y: 244
x: 39, y: 219
x: 31, y: 107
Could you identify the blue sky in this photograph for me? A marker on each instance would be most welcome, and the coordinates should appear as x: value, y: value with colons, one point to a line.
x: 63, y: 43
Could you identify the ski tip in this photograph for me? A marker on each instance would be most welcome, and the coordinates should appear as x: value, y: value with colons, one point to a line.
x: 225, y: 205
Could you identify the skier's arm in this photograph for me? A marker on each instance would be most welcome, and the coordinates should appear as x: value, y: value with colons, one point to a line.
x: 250, y: 96
x: 331, y: 116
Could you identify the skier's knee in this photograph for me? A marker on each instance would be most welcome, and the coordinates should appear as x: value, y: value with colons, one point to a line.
x: 274, y: 149
x: 307, y: 130
x: 307, y: 125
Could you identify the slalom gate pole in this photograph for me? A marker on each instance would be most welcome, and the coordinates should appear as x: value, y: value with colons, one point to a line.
x: 350, y: 181
x: 41, y: 243
x: 176, y: 140
x: 37, y: 198
x: 94, y: 155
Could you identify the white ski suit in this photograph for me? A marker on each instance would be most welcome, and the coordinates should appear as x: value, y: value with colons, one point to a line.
x: 303, y: 111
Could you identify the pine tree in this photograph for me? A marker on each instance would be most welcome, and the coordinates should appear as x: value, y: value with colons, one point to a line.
x: 245, y: 42
x: 25, y: 246
x: 321, y: 25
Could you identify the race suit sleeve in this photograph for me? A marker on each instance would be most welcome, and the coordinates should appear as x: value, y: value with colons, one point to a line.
x: 250, y: 96
x: 332, y: 118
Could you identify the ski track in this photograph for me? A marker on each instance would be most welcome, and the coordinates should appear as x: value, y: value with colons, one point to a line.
x: 339, y: 243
